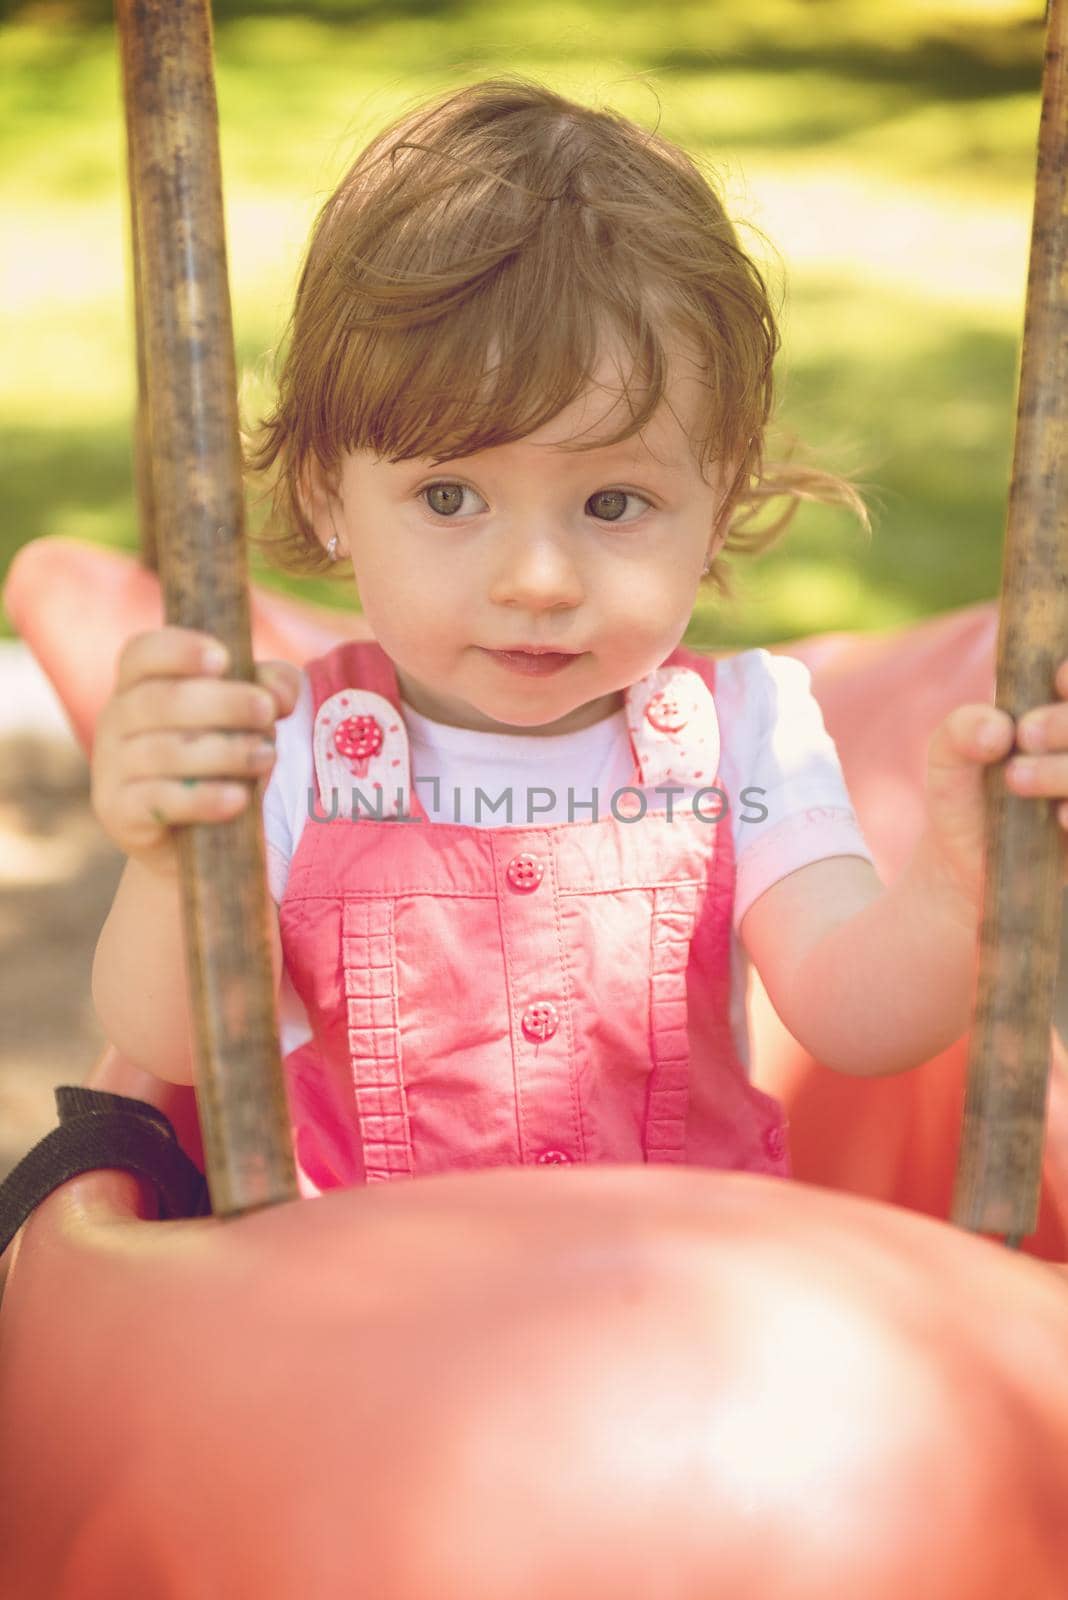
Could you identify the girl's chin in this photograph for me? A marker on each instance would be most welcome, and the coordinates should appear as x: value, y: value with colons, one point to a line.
x: 550, y: 717
x: 518, y: 703
x: 499, y: 717
x: 487, y: 713
x: 529, y: 713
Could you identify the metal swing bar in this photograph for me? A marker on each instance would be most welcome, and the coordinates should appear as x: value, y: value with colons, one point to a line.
x: 192, y: 505
x: 999, y: 1176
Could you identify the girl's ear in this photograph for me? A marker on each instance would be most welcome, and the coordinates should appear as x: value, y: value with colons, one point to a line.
x: 319, y: 501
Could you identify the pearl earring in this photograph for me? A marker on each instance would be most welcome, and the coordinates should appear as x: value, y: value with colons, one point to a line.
x: 707, y: 568
x: 331, y: 547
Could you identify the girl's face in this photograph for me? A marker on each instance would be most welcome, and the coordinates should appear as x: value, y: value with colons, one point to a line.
x: 593, y: 555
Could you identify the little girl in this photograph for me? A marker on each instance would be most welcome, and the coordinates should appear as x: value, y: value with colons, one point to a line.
x: 524, y: 845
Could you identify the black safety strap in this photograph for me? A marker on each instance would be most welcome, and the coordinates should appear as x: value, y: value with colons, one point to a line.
x: 98, y: 1129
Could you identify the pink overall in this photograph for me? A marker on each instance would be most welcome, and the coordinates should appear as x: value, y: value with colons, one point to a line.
x: 514, y: 994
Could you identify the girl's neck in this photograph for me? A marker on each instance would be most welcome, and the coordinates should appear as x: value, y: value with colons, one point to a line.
x: 457, y: 714
x: 500, y: 731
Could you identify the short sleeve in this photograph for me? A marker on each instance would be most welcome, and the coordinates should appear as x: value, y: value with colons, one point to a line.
x: 781, y: 771
x: 285, y: 795
x: 285, y: 809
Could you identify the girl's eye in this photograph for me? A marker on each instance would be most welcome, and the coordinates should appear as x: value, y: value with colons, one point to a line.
x: 445, y: 498
x: 609, y: 504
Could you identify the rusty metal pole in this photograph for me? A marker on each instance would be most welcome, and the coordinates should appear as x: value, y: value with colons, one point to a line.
x: 999, y: 1176
x: 142, y: 440
x: 196, y: 477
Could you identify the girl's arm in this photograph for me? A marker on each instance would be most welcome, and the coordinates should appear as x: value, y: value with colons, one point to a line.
x: 139, y: 975
x: 867, y: 979
x: 874, y: 980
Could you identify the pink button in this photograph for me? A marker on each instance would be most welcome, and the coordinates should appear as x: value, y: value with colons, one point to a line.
x: 554, y: 1158
x: 626, y: 804
x: 540, y: 1021
x: 358, y: 738
x: 665, y: 713
x: 524, y: 872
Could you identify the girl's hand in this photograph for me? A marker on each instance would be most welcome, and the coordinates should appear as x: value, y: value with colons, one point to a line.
x: 179, y: 743
x: 955, y: 758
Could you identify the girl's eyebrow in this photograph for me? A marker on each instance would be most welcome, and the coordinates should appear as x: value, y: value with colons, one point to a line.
x: 596, y: 460
x: 610, y: 453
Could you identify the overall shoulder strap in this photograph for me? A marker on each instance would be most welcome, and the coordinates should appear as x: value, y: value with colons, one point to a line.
x: 354, y: 664
x: 671, y: 720
x: 705, y: 665
x: 358, y: 731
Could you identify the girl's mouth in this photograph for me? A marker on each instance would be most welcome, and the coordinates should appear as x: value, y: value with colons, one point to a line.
x: 534, y: 664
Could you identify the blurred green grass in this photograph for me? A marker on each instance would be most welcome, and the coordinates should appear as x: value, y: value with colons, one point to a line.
x: 880, y: 162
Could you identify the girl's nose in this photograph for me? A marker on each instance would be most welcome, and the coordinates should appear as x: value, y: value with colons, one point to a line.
x: 537, y: 574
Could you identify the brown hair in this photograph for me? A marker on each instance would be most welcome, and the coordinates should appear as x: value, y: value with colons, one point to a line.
x: 460, y: 281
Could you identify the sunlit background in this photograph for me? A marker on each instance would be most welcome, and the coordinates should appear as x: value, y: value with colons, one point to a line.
x: 884, y: 152
x: 878, y: 156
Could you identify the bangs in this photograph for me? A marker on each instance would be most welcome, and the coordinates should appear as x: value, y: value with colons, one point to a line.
x: 485, y: 376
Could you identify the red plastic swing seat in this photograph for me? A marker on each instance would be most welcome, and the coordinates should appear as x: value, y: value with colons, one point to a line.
x: 632, y: 1381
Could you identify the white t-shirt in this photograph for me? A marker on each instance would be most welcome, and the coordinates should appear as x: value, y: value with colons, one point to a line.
x: 779, y: 770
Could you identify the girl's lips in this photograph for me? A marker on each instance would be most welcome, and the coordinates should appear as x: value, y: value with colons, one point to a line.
x: 540, y: 664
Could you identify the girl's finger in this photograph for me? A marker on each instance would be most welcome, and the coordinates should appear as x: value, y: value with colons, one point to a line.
x: 157, y: 802
x: 203, y: 703
x: 1044, y: 776
x: 168, y: 652
x: 971, y: 734
x: 1044, y: 729
x: 282, y: 679
x: 197, y: 753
